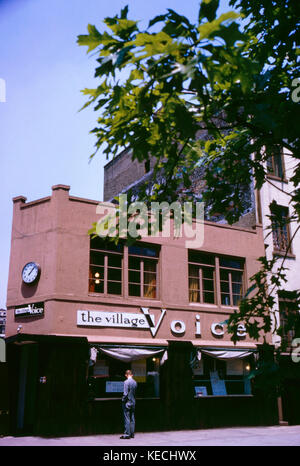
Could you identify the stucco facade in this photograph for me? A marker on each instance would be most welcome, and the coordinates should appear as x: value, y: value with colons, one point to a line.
x: 53, y: 232
x: 66, y: 340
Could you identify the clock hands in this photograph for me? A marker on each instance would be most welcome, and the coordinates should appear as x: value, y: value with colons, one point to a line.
x: 31, y: 271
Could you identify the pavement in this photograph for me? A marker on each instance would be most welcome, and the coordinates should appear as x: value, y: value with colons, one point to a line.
x: 233, y: 436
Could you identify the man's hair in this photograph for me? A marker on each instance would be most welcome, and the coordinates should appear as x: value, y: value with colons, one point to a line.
x: 128, y: 372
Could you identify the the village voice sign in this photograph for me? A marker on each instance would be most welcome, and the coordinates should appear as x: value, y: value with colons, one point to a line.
x: 120, y: 319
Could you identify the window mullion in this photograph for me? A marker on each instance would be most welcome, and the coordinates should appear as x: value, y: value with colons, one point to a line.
x: 201, y: 285
x: 125, y: 272
x: 142, y: 279
x: 105, y: 273
x: 217, y: 281
x: 230, y: 288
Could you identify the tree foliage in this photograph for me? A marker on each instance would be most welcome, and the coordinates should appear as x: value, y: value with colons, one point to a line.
x: 228, y: 76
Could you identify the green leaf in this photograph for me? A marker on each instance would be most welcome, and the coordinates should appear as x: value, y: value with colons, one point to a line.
x: 211, y: 28
x: 92, y: 40
x: 208, y: 9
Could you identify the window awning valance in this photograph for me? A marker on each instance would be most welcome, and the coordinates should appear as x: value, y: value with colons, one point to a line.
x: 128, y: 354
x: 224, y: 354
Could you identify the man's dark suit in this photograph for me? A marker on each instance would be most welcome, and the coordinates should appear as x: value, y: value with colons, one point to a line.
x: 128, y: 404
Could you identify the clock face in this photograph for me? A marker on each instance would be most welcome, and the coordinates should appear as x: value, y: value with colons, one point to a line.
x: 30, y: 272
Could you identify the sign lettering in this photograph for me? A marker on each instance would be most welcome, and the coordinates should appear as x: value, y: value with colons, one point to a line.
x: 30, y: 310
x: 148, y: 321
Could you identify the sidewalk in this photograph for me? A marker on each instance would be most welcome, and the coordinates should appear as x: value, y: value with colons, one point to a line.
x: 236, y: 436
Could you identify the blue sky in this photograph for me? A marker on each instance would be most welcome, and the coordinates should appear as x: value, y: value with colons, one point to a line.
x: 44, y: 140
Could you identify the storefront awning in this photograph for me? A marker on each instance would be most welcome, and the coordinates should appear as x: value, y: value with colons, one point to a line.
x: 224, y: 354
x: 128, y: 354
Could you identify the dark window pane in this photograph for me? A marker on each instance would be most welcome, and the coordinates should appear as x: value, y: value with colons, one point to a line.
x: 134, y: 277
x: 237, y: 288
x: 207, y: 272
x: 134, y: 290
x: 114, y: 288
x: 134, y: 263
x: 224, y: 275
x: 143, y: 251
x: 225, y: 287
x: 96, y: 258
x: 99, y: 243
x: 114, y: 274
x: 208, y: 285
x: 236, y: 299
x: 208, y: 297
x: 236, y: 277
x: 114, y: 260
x: 150, y: 265
x: 201, y: 258
x: 231, y: 263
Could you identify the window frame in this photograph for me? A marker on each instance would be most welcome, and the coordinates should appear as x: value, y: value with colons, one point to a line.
x: 106, y: 267
x: 217, y: 268
x: 278, y: 230
x: 287, y: 335
x: 142, y: 271
x: 116, y: 369
x: 276, y: 167
x: 231, y: 382
x: 124, y: 270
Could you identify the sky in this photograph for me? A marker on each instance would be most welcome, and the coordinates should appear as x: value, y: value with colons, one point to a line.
x: 44, y: 139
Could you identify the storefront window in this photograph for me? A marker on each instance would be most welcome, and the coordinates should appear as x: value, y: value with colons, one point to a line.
x: 106, y: 377
x: 217, y: 377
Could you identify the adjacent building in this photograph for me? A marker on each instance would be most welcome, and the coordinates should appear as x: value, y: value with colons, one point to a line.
x: 281, y: 239
x: 2, y: 322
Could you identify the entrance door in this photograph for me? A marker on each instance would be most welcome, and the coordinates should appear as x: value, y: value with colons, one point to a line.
x: 177, y: 386
x: 26, y: 388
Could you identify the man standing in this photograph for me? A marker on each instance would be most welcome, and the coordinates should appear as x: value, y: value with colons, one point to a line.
x: 128, y: 404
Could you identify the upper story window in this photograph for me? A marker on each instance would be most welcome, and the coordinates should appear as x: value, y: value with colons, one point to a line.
x: 201, y: 277
x: 142, y: 271
x: 214, y: 279
x: 107, y: 269
x: 275, y: 163
x: 280, y: 228
x: 231, y: 280
x: 106, y: 263
x: 289, y: 314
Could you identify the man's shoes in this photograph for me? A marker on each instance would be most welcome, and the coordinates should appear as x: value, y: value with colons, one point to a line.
x: 132, y: 436
x: 125, y: 437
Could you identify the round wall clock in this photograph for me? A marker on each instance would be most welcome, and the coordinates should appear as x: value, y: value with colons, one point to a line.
x: 30, y: 272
